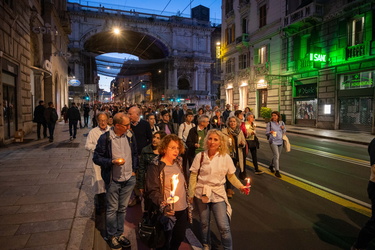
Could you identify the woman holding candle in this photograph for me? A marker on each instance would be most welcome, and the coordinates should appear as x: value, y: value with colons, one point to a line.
x: 236, y: 144
x: 158, y: 182
x: 250, y: 139
x: 274, y: 131
x: 207, y: 186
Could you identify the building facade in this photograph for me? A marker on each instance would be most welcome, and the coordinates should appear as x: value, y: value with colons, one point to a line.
x: 33, y: 43
x: 318, y: 64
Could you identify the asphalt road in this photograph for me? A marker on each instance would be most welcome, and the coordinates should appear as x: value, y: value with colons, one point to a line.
x: 320, y: 203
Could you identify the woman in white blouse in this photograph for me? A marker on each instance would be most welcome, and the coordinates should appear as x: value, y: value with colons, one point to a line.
x: 207, y: 186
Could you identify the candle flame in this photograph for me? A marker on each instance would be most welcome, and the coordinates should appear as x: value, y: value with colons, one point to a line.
x: 174, y: 182
x: 247, y: 181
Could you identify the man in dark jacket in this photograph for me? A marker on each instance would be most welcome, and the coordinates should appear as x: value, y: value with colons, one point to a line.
x: 367, y: 233
x: 165, y: 124
x: 116, y: 154
x: 195, y: 139
x: 86, y: 111
x: 40, y: 120
x: 74, y: 116
x: 51, y: 117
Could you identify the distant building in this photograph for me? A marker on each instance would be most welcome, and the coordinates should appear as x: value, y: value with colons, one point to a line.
x: 311, y: 60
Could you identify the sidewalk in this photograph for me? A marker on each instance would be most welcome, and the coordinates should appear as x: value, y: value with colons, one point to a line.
x: 358, y: 137
x: 46, y: 199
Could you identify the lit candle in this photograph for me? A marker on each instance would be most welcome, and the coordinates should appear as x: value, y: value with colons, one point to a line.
x: 247, y: 126
x: 174, y: 182
x: 199, y: 140
x: 215, y: 121
x: 120, y: 161
x: 247, y: 190
x: 230, y: 142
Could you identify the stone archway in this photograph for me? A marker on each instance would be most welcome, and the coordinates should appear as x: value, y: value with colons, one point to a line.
x: 183, y: 83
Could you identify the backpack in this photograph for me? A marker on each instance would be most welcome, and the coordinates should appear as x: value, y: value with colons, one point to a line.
x: 54, y: 116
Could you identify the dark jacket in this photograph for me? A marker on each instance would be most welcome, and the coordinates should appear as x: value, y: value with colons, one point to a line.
x: 50, y: 115
x: 191, y: 140
x: 156, y: 179
x: 143, y: 134
x: 371, y: 152
x: 161, y: 126
x: 145, y: 160
x: 214, y: 124
x: 39, y: 114
x: 103, y: 155
x: 74, y: 114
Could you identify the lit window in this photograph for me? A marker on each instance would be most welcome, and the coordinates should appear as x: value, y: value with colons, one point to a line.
x: 356, y: 31
x: 262, y: 53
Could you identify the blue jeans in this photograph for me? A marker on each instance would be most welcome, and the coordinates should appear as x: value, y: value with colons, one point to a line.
x: 276, y: 150
x: 118, y: 195
x: 219, y: 210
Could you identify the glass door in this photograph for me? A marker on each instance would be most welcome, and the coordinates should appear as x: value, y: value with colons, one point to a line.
x: 9, y: 102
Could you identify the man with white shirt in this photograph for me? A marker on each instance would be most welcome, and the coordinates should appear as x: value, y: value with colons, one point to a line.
x: 91, y: 141
x: 116, y: 154
x: 183, y: 132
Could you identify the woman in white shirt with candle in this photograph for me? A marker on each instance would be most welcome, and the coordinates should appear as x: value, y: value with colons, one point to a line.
x: 207, y: 185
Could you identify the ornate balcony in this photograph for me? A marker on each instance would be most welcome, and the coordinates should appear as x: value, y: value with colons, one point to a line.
x: 355, y: 51
x: 310, y: 13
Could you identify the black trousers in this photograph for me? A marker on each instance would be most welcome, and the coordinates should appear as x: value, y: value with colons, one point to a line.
x: 175, y: 237
x: 254, y: 158
x: 38, y: 127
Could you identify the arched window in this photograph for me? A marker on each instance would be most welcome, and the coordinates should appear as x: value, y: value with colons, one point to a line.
x: 183, y: 83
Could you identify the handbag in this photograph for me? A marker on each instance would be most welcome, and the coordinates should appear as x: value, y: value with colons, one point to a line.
x: 150, y: 230
x: 286, y: 143
x: 254, y: 143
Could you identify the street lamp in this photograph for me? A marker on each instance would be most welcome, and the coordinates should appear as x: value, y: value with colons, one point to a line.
x: 116, y: 31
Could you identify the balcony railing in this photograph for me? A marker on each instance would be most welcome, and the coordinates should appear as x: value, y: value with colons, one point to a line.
x: 355, y: 51
x: 311, y: 10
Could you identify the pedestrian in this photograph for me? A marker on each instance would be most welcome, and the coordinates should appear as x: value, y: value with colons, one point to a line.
x: 152, y: 121
x: 195, y: 139
x: 86, y: 114
x: 73, y: 116
x: 274, y: 132
x: 51, y: 117
x: 207, y: 185
x: 143, y: 135
x: 93, y: 114
x: 251, y: 142
x: 217, y: 121
x: 235, y: 107
x: 183, y: 133
x: 177, y: 117
x: 159, y: 176
x: 116, y: 154
x: 91, y: 141
x: 367, y: 233
x: 236, y: 144
x: 165, y: 123
x: 147, y: 155
x: 40, y: 120
x: 196, y: 117
x: 226, y: 112
x: 64, y: 113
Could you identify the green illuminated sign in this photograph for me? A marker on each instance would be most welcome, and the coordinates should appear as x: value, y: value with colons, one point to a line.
x: 318, y: 57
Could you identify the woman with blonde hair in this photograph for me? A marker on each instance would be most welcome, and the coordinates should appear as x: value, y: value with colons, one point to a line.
x: 207, y: 185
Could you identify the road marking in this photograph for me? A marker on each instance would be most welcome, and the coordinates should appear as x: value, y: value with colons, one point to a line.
x: 336, y: 197
x: 329, y: 155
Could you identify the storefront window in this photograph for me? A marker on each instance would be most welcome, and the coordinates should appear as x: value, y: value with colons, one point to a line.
x: 306, y: 109
x: 356, y: 111
x: 357, y: 81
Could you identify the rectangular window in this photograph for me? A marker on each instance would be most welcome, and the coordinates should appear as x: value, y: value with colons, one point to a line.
x: 229, y: 66
x: 262, y: 55
x: 262, y: 16
x: 305, y: 46
x: 244, y: 26
x: 244, y: 61
x: 228, y: 6
x: 356, y: 27
x: 357, y: 81
x: 230, y: 33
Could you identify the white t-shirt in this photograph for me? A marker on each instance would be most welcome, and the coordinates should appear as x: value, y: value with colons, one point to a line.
x: 212, y: 174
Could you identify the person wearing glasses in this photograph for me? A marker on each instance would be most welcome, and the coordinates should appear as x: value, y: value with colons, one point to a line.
x: 158, y: 182
x: 116, y: 154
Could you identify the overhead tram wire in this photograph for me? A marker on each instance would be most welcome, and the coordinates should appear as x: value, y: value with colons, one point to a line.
x: 187, y: 6
x: 165, y: 7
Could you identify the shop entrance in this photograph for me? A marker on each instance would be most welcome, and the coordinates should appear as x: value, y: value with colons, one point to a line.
x: 262, y: 99
x: 9, y: 105
x: 356, y: 113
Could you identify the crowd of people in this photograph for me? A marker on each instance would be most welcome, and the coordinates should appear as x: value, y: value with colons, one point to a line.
x: 138, y: 150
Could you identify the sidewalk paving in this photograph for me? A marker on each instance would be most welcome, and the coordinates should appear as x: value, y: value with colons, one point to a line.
x: 46, y: 198
x: 358, y: 137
